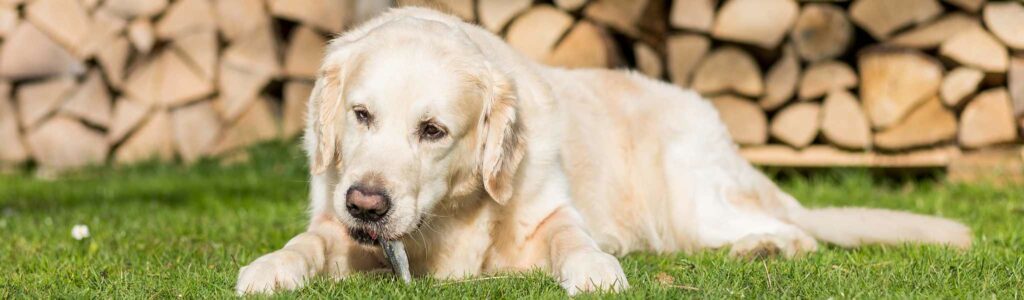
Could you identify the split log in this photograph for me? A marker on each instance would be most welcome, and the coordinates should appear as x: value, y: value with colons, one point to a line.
x: 326, y: 15
x: 128, y: 114
x: 105, y: 29
x: 585, y: 46
x: 237, y: 18
x: 929, y: 124
x: 1006, y: 21
x: 167, y: 81
x: 536, y: 31
x: 797, y: 124
x: 37, y: 100
x: 151, y: 142
x: 880, y: 18
x: 495, y: 14
x: 256, y: 51
x: 821, y: 32
x: 91, y: 101
x: 822, y: 77
x: 29, y: 53
x: 112, y: 59
x: 296, y: 96
x: 931, y: 35
x: 976, y: 48
x: 1015, y: 83
x: 696, y: 15
x: 759, y: 22
x: 622, y: 15
x: 199, y: 50
x: 140, y: 33
x: 570, y: 5
x: 728, y: 69
x: 648, y: 61
x: 305, y: 50
x: 1000, y: 166
x: 843, y: 122
x: 196, y: 129
x: 958, y: 84
x: 135, y: 8
x: 12, y: 150
x: 988, y: 120
x: 967, y: 5
x: 66, y: 21
x: 895, y: 81
x: 238, y: 89
x: 459, y: 8
x: 745, y: 121
x: 54, y: 151
x: 826, y: 156
x: 685, y: 51
x: 781, y: 80
x: 186, y: 17
x: 256, y: 125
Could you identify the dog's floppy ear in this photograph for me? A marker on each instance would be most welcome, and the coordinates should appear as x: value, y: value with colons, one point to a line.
x: 502, y: 141
x: 326, y: 103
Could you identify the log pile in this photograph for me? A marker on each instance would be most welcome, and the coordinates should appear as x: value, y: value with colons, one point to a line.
x: 801, y: 83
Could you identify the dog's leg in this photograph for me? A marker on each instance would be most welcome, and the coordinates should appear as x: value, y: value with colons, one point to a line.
x: 576, y: 261
x: 324, y: 247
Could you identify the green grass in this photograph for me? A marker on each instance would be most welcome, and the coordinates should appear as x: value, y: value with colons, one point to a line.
x: 161, y: 231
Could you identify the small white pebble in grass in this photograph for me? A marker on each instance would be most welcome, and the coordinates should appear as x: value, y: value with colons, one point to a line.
x: 80, y: 232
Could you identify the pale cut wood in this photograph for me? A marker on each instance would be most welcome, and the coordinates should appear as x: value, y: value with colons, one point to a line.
x: 988, y: 120
x: 821, y: 32
x: 495, y: 14
x: 12, y: 149
x: 958, y: 84
x: 781, y: 80
x: 199, y: 50
x: 459, y: 8
x: 305, y: 50
x: 237, y: 18
x: 327, y: 15
x: 8, y: 19
x: 105, y: 29
x: 66, y: 21
x: 826, y: 156
x: 929, y: 124
x: 167, y: 81
x: 696, y: 15
x: 238, y: 89
x: 112, y: 59
x: 822, y: 77
x: 728, y: 69
x: 976, y: 48
x: 37, y: 100
x: 128, y: 114
x: 843, y: 122
x: 759, y: 22
x: 186, y: 17
x: 140, y: 33
x: 585, y: 46
x: 296, y: 95
x: 153, y: 141
x: 931, y: 35
x: 797, y: 124
x: 256, y: 51
x: 622, y: 15
x: 257, y: 124
x: 648, y: 61
x: 91, y: 101
x: 570, y: 5
x: 893, y: 82
x: 135, y: 8
x: 685, y: 51
x: 745, y: 121
x: 196, y: 129
x: 1006, y: 21
x: 535, y: 32
x: 880, y: 18
x: 967, y: 5
x: 53, y: 150
x: 29, y: 53
x: 1015, y: 83
x: 1001, y: 166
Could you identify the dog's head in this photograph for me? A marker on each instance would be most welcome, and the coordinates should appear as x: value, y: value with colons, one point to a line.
x: 411, y: 117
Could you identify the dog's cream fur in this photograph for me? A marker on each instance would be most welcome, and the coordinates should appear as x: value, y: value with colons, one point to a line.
x: 541, y: 168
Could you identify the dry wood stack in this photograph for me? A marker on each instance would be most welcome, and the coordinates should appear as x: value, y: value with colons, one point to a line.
x: 860, y: 82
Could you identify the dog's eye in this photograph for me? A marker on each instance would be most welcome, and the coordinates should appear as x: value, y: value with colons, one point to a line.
x: 363, y: 116
x: 431, y: 132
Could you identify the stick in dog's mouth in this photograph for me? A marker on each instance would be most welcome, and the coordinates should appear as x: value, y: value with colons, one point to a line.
x: 394, y: 250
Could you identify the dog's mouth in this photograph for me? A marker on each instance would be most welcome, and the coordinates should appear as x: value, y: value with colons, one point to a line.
x: 372, y: 236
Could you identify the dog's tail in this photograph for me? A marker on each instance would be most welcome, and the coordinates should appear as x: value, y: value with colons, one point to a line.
x: 851, y: 227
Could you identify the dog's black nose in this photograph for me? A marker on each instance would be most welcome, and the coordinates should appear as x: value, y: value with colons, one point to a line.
x: 367, y: 204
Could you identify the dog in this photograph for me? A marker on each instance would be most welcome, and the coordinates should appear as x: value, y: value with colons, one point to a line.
x: 428, y: 130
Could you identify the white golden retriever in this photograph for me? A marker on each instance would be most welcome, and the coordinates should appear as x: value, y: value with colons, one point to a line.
x: 433, y: 131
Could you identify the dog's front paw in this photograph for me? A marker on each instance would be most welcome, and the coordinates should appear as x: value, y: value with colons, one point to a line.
x: 280, y: 270
x: 592, y: 271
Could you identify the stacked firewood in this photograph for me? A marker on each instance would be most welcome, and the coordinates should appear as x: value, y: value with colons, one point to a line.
x: 863, y: 82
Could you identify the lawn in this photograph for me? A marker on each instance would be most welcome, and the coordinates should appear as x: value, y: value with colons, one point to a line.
x: 163, y: 231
